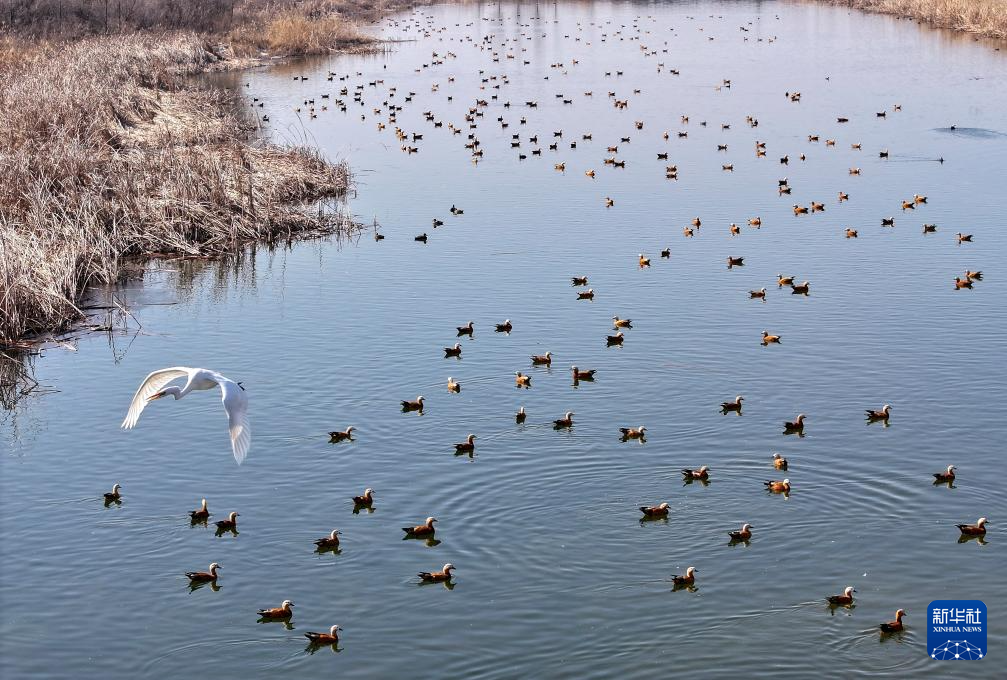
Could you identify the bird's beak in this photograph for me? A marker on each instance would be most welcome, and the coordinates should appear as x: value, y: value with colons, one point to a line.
x: 155, y: 396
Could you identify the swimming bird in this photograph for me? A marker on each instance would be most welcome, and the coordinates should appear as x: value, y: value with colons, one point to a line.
x: 330, y: 542
x: 644, y: 261
x: 425, y: 529
x: 504, y: 327
x: 232, y: 395
x: 113, y: 496
x: 744, y: 534
x: 879, y: 415
x: 919, y: 199
x: 366, y: 498
x: 782, y: 280
x: 779, y: 462
x: 201, y: 514
x: 843, y: 197
x: 453, y: 386
x: 894, y: 626
x: 755, y: 222
x: 437, y: 223
x: 794, y: 425
x: 701, y: 473
x: 778, y: 487
x: 666, y: 253
x: 522, y: 380
x: 520, y: 416
x: 887, y: 221
x: 757, y: 294
x: 437, y: 576
x: 422, y: 238
x: 974, y: 275
x: 947, y: 476
x: 799, y: 288
x: 416, y: 405
x: 732, y: 405
x: 229, y: 524
x: 977, y: 529
x: 609, y: 202
x: 346, y: 434
x: 582, y: 375
x: 579, y: 280
x: 456, y: 210
x: 964, y: 237
x: 929, y: 228
x: 321, y: 639
x: 800, y: 210
x: 962, y: 283
x: 851, y: 233
x: 467, y: 329
x: 844, y: 600
x: 542, y: 359
x: 621, y: 323
x: 467, y: 446
x: 455, y: 351
x: 284, y: 611
x: 565, y: 421
x: 769, y: 339
x: 586, y: 295
x: 633, y: 432
x: 204, y: 576
x: 687, y: 580
x: 614, y: 339
x: 687, y: 231
x: 655, y: 510
x: 735, y: 261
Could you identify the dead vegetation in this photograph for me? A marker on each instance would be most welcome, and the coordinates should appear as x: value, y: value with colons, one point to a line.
x: 987, y: 18
x: 107, y: 152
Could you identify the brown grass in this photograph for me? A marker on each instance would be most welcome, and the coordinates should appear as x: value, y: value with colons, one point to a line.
x: 987, y: 18
x: 106, y: 152
x: 307, y: 27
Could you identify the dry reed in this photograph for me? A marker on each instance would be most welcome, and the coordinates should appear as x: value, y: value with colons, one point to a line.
x: 107, y: 152
x: 987, y: 18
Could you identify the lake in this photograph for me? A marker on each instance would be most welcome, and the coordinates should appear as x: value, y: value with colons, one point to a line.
x: 556, y: 576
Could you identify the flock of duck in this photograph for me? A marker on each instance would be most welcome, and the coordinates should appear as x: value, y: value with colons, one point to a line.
x: 386, y: 109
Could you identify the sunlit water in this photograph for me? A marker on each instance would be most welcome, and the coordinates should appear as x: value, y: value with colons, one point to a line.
x: 556, y: 575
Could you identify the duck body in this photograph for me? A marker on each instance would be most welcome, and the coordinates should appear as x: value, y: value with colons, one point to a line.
x: 365, y: 498
x: 437, y: 576
x: 113, y: 495
x: 416, y: 405
x: 881, y: 414
x: 330, y: 638
x: 421, y: 531
x: 977, y: 529
x: 284, y: 611
x: 778, y: 487
x: 204, y: 576
x: 330, y: 542
x: 743, y: 534
x: 655, y: 510
x: 688, y: 579
x: 893, y: 626
x: 633, y: 432
x: 229, y: 524
x: 701, y: 473
x: 200, y: 515
x: 794, y: 425
x: 844, y: 600
x: 467, y: 446
x: 732, y: 405
x: 345, y: 435
x: 945, y: 477
x: 565, y: 422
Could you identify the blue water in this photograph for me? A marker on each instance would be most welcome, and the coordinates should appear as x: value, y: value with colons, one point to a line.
x: 556, y: 576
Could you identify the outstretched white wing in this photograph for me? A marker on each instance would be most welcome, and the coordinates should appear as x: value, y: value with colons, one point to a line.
x: 153, y: 384
x: 236, y: 405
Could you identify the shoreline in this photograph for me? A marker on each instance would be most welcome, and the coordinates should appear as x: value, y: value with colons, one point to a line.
x: 979, y: 18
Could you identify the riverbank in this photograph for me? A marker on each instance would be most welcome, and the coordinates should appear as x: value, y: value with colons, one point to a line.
x: 984, y: 18
x: 109, y: 151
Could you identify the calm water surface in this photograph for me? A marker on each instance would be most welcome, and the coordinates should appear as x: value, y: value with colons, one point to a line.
x: 556, y: 575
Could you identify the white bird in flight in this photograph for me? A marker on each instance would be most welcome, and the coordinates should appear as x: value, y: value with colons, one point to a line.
x: 232, y: 395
